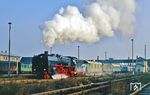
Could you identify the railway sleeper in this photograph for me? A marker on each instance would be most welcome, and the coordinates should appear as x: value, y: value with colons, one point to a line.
x: 65, y: 91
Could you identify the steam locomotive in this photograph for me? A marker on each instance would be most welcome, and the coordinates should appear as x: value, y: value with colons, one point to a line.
x: 54, y: 66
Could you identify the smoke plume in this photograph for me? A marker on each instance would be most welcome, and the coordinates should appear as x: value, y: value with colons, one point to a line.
x: 101, y: 19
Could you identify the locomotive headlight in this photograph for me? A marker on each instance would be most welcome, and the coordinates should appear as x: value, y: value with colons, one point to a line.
x: 75, y: 72
x: 44, y: 69
x: 34, y: 69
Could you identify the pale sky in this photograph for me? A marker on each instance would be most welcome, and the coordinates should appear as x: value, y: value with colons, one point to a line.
x: 26, y: 37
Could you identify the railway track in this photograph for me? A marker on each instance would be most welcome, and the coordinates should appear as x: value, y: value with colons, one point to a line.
x: 24, y: 81
x: 145, y: 91
x: 94, y: 84
x: 83, y: 89
x: 27, y: 81
x: 26, y: 78
x: 78, y: 90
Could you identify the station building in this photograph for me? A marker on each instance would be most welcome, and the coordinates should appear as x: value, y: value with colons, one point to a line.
x: 141, y: 65
x: 138, y: 65
x: 4, y: 62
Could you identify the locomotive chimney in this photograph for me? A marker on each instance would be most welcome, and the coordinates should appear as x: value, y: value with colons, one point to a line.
x: 46, y: 52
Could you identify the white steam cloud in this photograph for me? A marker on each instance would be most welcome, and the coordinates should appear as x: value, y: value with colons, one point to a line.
x: 102, y: 18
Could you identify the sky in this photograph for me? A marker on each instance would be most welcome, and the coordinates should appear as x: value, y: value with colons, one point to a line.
x: 27, y: 16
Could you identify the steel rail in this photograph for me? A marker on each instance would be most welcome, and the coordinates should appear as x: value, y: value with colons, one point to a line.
x: 64, y: 90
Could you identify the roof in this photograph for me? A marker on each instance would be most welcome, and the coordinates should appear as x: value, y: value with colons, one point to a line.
x: 6, y: 54
x: 6, y: 62
x: 141, y: 59
x: 109, y: 61
x: 82, y: 61
x: 94, y: 62
x: 26, y: 60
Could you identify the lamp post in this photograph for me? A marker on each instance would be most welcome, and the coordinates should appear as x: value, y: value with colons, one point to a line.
x: 145, y: 51
x: 105, y: 55
x: 9, y: 23
x: 132, y: 40
x: 78, y: 52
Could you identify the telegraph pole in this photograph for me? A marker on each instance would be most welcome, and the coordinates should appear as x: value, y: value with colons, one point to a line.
x: 105, y: 55
x: 132, y: 40
x: 132, y: 50
x: 145, y: 51
x: 78, y: 52
x: 9, y: 23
